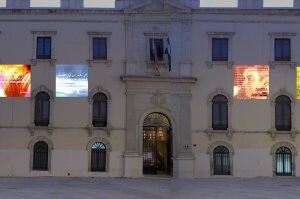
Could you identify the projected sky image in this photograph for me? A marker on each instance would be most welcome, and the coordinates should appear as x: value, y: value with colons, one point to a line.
x: 71, y: 80
x: 15, y: 80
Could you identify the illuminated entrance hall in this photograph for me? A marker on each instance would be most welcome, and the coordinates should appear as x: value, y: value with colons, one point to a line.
x: 157, y: 142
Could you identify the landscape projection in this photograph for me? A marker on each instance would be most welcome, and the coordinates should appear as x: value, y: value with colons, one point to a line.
x: 251, y: 81
x: 72, y: 80
x: 15, y: 80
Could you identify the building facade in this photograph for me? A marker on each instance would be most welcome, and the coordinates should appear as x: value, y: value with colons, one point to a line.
x: 157, y: 87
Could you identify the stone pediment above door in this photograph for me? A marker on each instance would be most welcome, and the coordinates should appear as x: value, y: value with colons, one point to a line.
x: 157, y: 6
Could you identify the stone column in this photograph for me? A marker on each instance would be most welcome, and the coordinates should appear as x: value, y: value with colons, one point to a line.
x: 184, y: 161
x: 250, y: 4
x: 18, y: 4
x: 72, y: 4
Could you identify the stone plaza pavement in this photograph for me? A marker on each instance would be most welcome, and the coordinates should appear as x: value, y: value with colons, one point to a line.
x: 146, y: 188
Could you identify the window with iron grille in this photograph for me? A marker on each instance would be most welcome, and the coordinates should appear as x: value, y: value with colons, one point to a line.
x: 283, y: 161
x: 158, y: 50
x: 40, y: 156
x: 283, y: 113
x: 100, y: 48
x: 99, y: 110
x: 219, y: 49
x: 221, y: 161
x: 42, y: 109
x: 219, y: 112
x: 43, y: 48
x: 98, y: 157
x: 282, y: 49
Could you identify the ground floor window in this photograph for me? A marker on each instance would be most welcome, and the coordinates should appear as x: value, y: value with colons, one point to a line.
x: 221, y: 161
x: 40, y: 156
x: 283, y: 161
x: 98, y: 157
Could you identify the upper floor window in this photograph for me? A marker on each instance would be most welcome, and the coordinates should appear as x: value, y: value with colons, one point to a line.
x: 156, y: 49
x: 283, y: 113
x: 282, y: 49
x: 43, y: 47
x: 219, y: 112
x: 219, y: 49
x: 42, y: 109
x: 100, y: 48
x: 99, y: 110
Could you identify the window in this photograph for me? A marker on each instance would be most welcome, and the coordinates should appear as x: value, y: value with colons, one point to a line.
x: 42, y: 109
x: 40, y: 156
x: 98, y: 157
x: 282, y: 49
x: 43, y: 48
x: 283, y: 113
x: 158, y: 51
x: 99, y: 110
x: 283, y: 161
x: 100, y: 48
x: 219, y: 49
x: 221, y: 161
x: 219, y: 112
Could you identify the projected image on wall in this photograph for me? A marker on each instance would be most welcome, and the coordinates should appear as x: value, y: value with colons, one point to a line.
x: 298, y: 82
x: 251, y: 81
x: 71, y: 80
x: 15, y: 80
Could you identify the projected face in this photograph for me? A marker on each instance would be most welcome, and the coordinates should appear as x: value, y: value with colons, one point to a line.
x: 71, y: 80
x: 15, y: 80
x: 251, y: 81
x: 298, y: 82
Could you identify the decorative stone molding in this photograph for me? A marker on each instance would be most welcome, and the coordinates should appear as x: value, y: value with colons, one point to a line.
x: 210, y: 64
x: 210, y: 152
x: 291, y: 64
x: 293, y: 151
x: 158, y: 98
x: 93, y: 62
x: 90, y: 128
x: 108, y: 149
x: 50, y: 148
x: 273, y: 132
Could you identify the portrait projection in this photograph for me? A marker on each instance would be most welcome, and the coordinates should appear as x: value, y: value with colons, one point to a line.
x: 71, y: 80
x: 251, y: 82
x: 15, y: 80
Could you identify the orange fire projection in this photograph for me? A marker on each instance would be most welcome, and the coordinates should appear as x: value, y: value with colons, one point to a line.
x: 15, y: 80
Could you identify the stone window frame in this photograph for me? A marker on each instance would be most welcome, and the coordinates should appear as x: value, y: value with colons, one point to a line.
x: 229, y: 35
x: 36, y: 34
x: 293, y: 151
x: 31, y: 148
x: 210, y: 152
x: 90, y: 126
x: 273, y: 130
x: 108, y: 150
x: 34, y: 92
x: 210, y: 131
x: 282, y: 35
x: 95, y: 34
x: 155, y: 35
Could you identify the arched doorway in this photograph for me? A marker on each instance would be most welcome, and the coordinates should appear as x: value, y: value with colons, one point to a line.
x: 157, y: 144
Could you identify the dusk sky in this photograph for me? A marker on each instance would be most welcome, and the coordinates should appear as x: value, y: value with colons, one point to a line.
x: 111, y: 3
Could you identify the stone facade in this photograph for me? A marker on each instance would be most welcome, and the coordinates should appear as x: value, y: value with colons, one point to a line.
x: 135, y: 88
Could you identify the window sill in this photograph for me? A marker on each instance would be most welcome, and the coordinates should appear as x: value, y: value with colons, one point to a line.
x: 210, y: 64
x: 34, y: 62
x: 211, y: 132
x: 93, y: 62
x: 151, y: 64
x: 32, y: 128
x: 90, y: 128
x: 274, y: 134
x: 292, y: 64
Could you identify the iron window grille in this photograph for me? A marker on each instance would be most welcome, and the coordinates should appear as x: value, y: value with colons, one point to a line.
x: 221, y: 161
x: 40, y: 156
x: 283, y: 161
x: 98, y: 157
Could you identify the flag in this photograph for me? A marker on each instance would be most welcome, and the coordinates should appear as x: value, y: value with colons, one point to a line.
x: 168, y: 52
